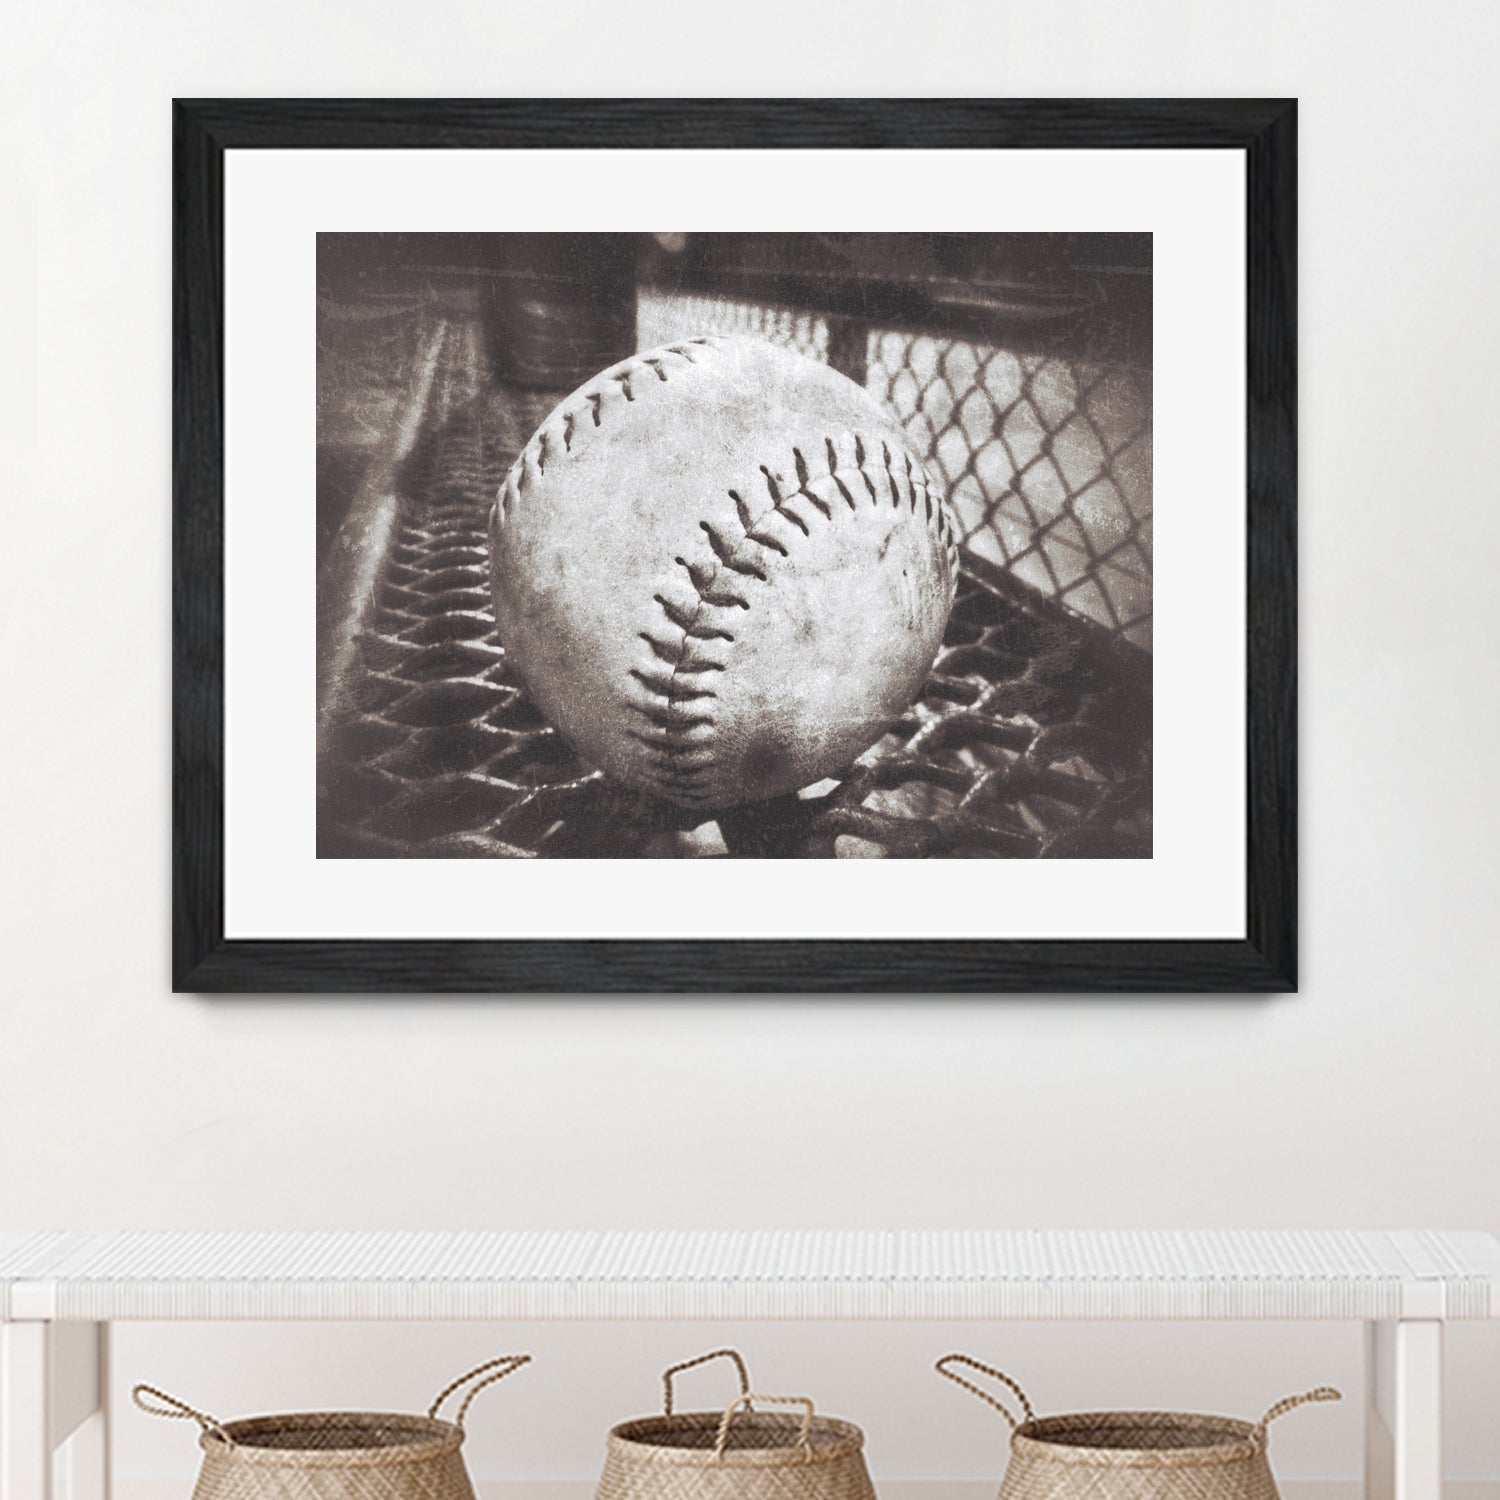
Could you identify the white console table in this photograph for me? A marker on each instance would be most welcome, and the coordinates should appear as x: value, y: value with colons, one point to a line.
x: 61, y: 1291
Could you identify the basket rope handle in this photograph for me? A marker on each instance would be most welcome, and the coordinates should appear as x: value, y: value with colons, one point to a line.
x: 1291, y: 1403
x: 746, y: 1398
x: 511, y: 1363
x: 702, y: 1359
x: 963, y: 1359
x: 172, y: 1407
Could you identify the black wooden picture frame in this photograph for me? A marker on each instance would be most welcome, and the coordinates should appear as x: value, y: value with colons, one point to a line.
x: 1265, y: 960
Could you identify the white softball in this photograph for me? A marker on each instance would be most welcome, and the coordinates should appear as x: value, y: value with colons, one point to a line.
x: 720, y: 572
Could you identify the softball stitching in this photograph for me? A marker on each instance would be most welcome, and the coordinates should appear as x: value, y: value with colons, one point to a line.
x: 675, y: 675
x: 679, y: 711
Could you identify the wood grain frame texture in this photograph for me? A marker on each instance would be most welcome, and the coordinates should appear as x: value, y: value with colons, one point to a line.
x: 204, y: 961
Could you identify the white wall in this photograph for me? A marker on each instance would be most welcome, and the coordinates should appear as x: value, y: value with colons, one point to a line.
x: 1369, y: 1099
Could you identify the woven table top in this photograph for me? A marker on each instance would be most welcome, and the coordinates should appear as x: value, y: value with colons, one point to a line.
x: 914, y: 1275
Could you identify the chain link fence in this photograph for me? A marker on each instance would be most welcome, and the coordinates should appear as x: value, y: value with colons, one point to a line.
x: 1046, y: 461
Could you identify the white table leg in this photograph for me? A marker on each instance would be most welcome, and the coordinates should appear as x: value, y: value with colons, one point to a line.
x: 25, y: 1452
x: 1404, y: 1410
x: 80, y: 1469
x: 78, y: 1418
x: 53, y: 1387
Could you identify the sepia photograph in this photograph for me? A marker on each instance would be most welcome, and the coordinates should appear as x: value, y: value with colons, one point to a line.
x: 753, y: 545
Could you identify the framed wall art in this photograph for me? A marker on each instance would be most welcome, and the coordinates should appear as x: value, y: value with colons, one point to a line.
x: 744, y: 545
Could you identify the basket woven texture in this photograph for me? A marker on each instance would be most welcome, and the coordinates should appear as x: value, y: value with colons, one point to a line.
x: 1132, y: 1455
x: 335, y: 1455
x: 736, y: 1454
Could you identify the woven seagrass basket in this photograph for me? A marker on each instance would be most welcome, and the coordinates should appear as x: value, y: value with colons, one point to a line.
x: 334, y: 1455
x: 735, y: 1454
x: 1132, y: 1455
